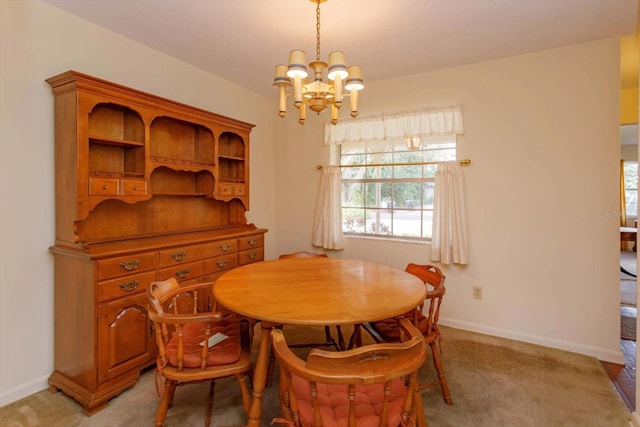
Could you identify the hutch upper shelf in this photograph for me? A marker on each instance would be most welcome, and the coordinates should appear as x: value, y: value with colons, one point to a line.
x: 130, y: 146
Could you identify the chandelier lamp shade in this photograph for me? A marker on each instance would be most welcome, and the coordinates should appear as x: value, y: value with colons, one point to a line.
x: 312, y: 91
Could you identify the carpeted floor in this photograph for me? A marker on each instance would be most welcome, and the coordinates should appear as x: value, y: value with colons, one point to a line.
x: 493, y: 381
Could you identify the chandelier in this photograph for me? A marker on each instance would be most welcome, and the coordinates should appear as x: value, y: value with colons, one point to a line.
x: 318, y: 94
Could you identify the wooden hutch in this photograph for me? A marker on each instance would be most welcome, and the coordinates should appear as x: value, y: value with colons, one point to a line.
x: 146, y: 189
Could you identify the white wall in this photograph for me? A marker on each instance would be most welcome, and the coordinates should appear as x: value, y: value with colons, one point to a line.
x: 542, y: 132
x: 38, y: 41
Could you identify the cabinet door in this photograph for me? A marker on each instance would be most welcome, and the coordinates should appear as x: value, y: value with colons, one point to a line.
x: 126, y: 338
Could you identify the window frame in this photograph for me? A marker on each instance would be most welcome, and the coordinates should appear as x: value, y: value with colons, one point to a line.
x: 402, y: 163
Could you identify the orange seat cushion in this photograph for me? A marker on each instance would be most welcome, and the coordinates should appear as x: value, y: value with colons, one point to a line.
x: 333, y: 401
x: 222, y: 353
x: 389, y: 329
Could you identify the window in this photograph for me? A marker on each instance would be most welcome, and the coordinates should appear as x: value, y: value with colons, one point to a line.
x: 631, y: 188
x: 387, y: 189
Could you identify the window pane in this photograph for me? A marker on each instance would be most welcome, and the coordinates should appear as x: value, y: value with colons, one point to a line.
x: 409, y: 171
x: 352, y: 220
x: 353, y: 173
x: 427, y: 195
x: 386, y: 172
x: 430, y: 171
x: 427, y: 223
x: 406, y: 194
x: 378, y: 222
x: 631, y: 197
x: 352, y: 195
x: 373, y: 195
x: 631, y: 187
x: 630, y: 175
x: 406, y: 223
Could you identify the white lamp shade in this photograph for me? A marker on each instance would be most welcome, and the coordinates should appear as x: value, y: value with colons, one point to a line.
x: 354, y: 81
x: 281, y: 78
x: 297, y: 64
x: 337, y: 65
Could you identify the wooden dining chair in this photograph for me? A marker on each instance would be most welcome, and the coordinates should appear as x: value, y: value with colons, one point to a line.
x: 425, y: 318
x: 196, y: 344
x: 372, y: 385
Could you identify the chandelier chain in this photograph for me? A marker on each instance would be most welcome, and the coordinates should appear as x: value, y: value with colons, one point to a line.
x: 317, y: 30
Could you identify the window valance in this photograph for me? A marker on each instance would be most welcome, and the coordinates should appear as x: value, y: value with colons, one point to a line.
x: 423, y: 123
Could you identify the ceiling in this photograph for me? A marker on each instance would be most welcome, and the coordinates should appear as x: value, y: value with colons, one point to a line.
x: 242, y: 40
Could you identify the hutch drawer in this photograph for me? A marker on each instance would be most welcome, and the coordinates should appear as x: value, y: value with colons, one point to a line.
x: 124, y: 286
x: 251, y: 241
x: 225, y: 262
x: 103, y: 186
x: 182, y: 254
x: 222, y: 247
x: 251, y: 255
x: 225, y: 189
x: 115, y: 267
x: 131, y: 187
x: 182, y: 272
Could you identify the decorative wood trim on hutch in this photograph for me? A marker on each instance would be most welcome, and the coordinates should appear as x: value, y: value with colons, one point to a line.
x: 146, y: 189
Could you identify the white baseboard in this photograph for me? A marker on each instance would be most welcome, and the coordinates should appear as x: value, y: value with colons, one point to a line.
x: 24, y: 390
x: 602, y: 354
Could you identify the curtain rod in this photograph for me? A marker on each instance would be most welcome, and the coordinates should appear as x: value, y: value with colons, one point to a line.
x: 463, y: 162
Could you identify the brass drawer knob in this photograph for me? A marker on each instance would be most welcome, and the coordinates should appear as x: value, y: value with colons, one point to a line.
x: 225, y: 248
x: 222, y: 264
x: 252, y: 242
x: 179, y: 256
x: 183, y: 273
x: 130, y: 265
x: 252, y: 255
x: 129, y: 286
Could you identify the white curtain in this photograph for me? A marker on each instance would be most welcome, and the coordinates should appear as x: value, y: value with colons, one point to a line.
x: 449, y: 238
x: 327, y: 223
x: 423, y: 123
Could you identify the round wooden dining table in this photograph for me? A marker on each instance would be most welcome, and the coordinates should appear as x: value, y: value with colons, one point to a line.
x: 313, y: 291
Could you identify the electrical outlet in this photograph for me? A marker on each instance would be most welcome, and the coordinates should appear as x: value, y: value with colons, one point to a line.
x: 477, y: 292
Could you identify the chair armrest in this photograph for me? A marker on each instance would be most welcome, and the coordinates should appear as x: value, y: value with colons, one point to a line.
x: 360, y: 365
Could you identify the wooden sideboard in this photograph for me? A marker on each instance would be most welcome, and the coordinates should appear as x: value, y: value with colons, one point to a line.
x: 146, y: 189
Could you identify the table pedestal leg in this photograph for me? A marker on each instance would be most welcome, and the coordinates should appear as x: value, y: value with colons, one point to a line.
x: 260, y: 375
